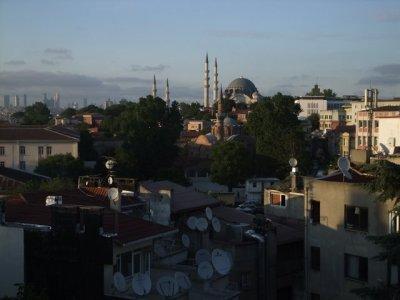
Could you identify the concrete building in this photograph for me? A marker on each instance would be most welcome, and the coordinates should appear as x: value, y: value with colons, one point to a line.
x: 339, y: 215
x: 16, y: 101
x: 254, y: 189
x: 311, y: 105
x: 198, y: 125
x: 332, y: 118
x: 5, y: 101
x: 23, y: 147
x: 25, y: 101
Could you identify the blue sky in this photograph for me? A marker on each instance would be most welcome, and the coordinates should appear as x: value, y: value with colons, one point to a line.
x: 100, y: 49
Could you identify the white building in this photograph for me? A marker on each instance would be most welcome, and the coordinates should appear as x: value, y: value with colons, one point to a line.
x: 255, y: 188
x: 23, y: 147
x: 311, y: 105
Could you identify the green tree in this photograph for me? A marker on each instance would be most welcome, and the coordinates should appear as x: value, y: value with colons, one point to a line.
x: 61, y: 165
x: 227, y: 105
x: 68, y: 112
x: 18, y: 116
x: 278, y: 134
x: 328, y: 93
x: 149, y: 131
x: 314, y: 120
x: 85, y: 147
x: 385, y: 184
x: 193, y: 111
x: 230, y: 164
x: 315, y: 91
x: 36, y: 114
x: 90, y: 109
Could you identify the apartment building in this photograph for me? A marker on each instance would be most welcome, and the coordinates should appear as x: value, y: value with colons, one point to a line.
x: 23, y: 147
x: 331, y: 119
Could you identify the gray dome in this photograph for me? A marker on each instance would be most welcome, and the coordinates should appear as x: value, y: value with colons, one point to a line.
x: 241, y: 85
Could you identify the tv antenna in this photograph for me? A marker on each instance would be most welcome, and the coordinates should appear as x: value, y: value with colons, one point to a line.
x: 185, y: 240
x: 167, y: 286
x: 119, y: 282
x: 209, y: 213
x: 221, y: 261
x: 205, y: 270
x: 191, y: 222
x: 141, y: 284
x: 216, y: 224
x: 202, y: 255
x: 183, y: 281
x: 202, y: 224
x: 344, y: 167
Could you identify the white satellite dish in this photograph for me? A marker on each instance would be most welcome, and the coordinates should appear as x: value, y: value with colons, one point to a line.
x: 110, y: 164
x: 202, y: 255
x: 183, y: 281
x: 293, y: 162
x: 167, y: 286
x: 344, y: 167
x: 202, y: 224
x: 216, y: 224
x: 185, y: 240
x: 191, y: 222
x: 209, y: 213
x: 141, y: 284
x: 205, y: 270
x: 221, y: 261
x: 119, y: 282
x: 113, y: 194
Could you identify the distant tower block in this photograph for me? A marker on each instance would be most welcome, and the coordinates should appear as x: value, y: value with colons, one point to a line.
x: 206, y: 101
x: 215, y: 87
x: 25, y: 103
x: 167, y: 99
x: 154, y: 89
x: 16, y: 101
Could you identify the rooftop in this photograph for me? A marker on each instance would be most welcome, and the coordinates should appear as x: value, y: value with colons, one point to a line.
x: 33, y: 133
x: 357, y: 177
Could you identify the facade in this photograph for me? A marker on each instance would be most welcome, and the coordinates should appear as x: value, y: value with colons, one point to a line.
x: 332, y: 118
x: 311, y: 105
x: 340, y: 214
x: 198, y: 125
x: 5, y: 101
x: 255, y: 188
x: 23, y: 147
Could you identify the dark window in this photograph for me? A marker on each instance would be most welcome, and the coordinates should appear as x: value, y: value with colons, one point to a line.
x: 126, y: 264
x: 136, y: 263
x: 22, y: 150
x: 315, y: 212
x: 376, y: 124
x: 2, y: 152
x: 283, y: 200
x: 356, y: 267
x: 315, y: 256
x: 40, y: 150
x: 48, y: 150
x: 356, y: 218
x: 1, y: 163
x: 278, y: 199
x: 254, y: 184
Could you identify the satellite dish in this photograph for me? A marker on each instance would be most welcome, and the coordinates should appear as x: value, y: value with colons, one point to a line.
x: 216, y: 224
x: 293, y: 162
x: 209, y: 213
x: 221, y: 261
x: 167, y: 286
x: 183, y: 281
x: 202, y: 224
x: 110, y: 180
x: 185, y: 240
x: 385, y: 149
x: 202, y: 255
x: 110, y: 164
x: 113, y: 194
x: 141, y: 284
x: 191, y: 222
x: 119, y: 282
x: 205, y: 270
x: 344, y: 166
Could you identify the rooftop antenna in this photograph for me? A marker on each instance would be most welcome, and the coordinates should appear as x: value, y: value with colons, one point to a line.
x: 167, y: 286
x: 119, y: 282
x: 141, y: 284
x: 344, y: 167
x: 221, y: 261
x: 183, y: 281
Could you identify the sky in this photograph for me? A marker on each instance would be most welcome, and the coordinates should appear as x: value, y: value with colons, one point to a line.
x: 102, y: 49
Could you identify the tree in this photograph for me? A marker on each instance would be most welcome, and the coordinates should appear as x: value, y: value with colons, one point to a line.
x: 193, y: 111
x: 85, y: 147
x: 68, y: 112
x: 149, y: 131
x: 36, y: 114
x: 231, y: 164
x: 278, y: 134
x: 314, y: 119
x: 90, y: 109
x: 227, y: 105
x: 385, y: 184
x: 61, y: 165
x: 315, y: 91
x: 328, y: 93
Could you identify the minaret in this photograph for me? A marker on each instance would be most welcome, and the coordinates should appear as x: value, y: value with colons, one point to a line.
x: 154, y: 89
x: 215, y: 87
x: 206, y: 98
x: 220, y: 118
x: 167, y: 100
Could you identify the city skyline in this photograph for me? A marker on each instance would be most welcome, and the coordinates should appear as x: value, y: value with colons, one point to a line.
x: 100, y: 50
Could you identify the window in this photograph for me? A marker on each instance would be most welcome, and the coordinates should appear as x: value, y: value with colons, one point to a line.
x: 48, y: 150
x: 126, y: 264
x: 130, y: 263
x: 2, y: 152
x: 22, y: 150
x: 359, y: 140
x: 376, y: 123
x: 356, y: 218
x: 315, y: 212
x: 278, y: 199
x: 364, y: 141
x: 40, y: 150
x: 356, y: 267
x: 1, y: 164
x: 22, y: 165
x: 315, y: 258
x: 136, y: 263
x: 375, y: 141
x: 394, y: 223
x: 364, y: 123
x: 254, y: 184
x: 360, y: 124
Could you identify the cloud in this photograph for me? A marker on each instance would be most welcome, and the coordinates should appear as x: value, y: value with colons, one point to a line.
x: 127, y: 79
x: 239, y: 34
x: 387, y: 16
x: 59, y: 53
x: 48, y: 62
x: 157, y: 68
x: 387, y: 75
x: 15, y: 63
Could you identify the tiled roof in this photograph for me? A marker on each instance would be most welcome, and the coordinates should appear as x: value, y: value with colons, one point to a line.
x: 32, y: 133
x: 184, y: 199
x: 20, y: 176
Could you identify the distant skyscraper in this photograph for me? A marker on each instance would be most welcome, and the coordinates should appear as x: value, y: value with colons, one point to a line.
x: 5, y: 101
x: 108, y: 103
x: 57, y: 101
x: 16, y: 101
x: 84, y: 102
x: 25, y: 103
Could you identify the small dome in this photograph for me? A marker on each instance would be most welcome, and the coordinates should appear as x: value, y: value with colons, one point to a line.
x: 241, y: 85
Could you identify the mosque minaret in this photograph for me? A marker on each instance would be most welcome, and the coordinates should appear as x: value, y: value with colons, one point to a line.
x: 167, y: 99
x: 206, y: 95
x: 154, y: 89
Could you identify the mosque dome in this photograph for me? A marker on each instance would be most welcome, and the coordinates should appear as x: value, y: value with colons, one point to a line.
x: 241, y: 85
